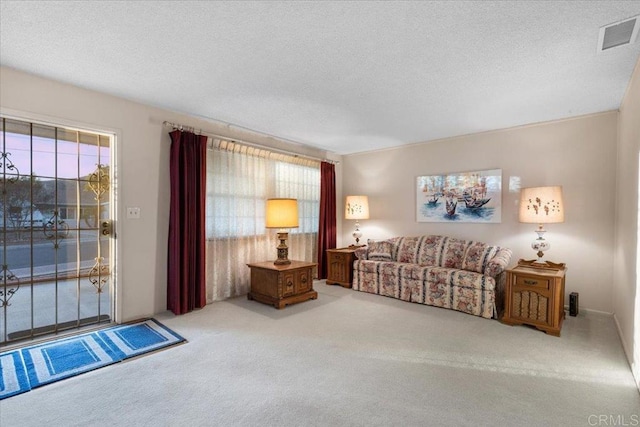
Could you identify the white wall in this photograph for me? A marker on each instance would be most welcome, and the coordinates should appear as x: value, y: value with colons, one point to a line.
x: 143, y: 171
x: 578, y: 153
x: 625, y: 283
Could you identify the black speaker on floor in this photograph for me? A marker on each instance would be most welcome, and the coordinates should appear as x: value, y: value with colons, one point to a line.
x: 573, y: 304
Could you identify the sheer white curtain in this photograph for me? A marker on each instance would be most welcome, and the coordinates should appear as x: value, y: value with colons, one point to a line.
x: 239, y: 181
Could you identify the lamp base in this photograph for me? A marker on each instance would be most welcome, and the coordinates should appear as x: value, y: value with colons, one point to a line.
x: 540, y: 245
x: 541, y: 264
x: 357, y: 234
x: 283, y: 250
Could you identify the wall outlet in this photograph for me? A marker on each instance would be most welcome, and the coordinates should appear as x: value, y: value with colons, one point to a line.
x: 133, y: 213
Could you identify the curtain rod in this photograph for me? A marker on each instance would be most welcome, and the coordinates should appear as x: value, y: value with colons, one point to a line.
x: 252, y: 144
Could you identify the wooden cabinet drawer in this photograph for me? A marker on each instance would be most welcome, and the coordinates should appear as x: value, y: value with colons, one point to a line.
x: 532, y: 282
x: 337, y: 257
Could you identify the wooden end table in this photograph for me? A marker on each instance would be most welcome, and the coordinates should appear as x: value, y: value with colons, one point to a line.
x: 340, y: 266
x: 535, y: 296
x: 280, y: 285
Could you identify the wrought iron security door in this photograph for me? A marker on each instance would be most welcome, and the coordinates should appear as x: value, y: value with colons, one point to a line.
x: 56, y: 251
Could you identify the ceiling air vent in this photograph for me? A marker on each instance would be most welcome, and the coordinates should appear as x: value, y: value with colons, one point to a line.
x: 618, y: 34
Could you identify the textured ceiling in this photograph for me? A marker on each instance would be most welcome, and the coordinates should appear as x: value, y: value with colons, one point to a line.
x: 342, y: 76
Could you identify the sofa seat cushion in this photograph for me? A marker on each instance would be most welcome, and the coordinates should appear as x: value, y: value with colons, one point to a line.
x: 462, y: 278
x: 400, y: 271
x: 382, y: 267
x: 415, y: 271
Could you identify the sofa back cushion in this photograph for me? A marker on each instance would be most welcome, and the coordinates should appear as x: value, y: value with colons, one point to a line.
x: 408, y: 249
x: 430, y: 250
x: 477, y: 256
x: 453, y: 252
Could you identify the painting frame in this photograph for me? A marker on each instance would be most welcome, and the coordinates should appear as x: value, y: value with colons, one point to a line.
x: 461, y: 197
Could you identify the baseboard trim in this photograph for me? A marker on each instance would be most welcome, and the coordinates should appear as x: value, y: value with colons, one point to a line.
x: 635, y: 370
x: 590, y: 310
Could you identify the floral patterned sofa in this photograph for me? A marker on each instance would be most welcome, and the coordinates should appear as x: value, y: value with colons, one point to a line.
x: 441, y: 271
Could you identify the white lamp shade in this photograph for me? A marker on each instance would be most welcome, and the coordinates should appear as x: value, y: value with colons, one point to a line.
x: 282, y: 213
x: 541, y: 205
x: 356, y: 207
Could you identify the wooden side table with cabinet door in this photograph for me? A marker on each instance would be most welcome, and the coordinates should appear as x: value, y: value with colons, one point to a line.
x: 280, y: 285
x: 340, y: 266
x: 535, y: 296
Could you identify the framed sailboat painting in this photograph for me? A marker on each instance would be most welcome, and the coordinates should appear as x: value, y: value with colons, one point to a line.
x: 460, y: 197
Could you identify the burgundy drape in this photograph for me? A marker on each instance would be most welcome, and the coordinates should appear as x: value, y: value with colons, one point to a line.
x: 186, y: 288
x: 327, y: 230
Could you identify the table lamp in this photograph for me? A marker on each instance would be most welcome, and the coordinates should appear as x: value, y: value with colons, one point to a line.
x: 356, y: 207
x: 282, y: 214
x: 541, y: 205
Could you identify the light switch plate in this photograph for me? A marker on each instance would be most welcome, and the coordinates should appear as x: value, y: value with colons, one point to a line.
x: 133, y: 213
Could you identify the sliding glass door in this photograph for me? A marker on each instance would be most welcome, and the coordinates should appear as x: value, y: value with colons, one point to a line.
x: 56, y: 250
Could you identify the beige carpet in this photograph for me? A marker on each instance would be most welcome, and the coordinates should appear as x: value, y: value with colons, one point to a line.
x: 352, y: 359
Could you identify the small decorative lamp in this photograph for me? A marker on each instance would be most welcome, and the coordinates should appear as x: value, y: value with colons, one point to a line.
x: 541, y: 205
x: 356, y: 207
x: 282, y: 214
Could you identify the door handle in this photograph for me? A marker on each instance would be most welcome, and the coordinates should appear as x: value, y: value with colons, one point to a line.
x: 106, y: 227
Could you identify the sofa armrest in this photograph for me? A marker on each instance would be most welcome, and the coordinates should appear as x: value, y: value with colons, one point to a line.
x: 499, y: 262
x: 361, y: 252
x: 500, y: 295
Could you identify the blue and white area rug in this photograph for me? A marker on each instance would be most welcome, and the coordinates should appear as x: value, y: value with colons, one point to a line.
x: 56, y: 360
x: 13, y: 374
x: 30, y: 367
x: 139, y: 338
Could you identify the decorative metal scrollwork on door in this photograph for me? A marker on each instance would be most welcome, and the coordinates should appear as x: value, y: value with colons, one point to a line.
x: 9, y: 285
x: 55, y: 228
x: 99, y: 274
x: 99, y: 181
x: 7, y: 165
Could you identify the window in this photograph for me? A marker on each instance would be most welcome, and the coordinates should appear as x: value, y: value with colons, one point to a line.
x: 302, y: 183
x: 240, y: 182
